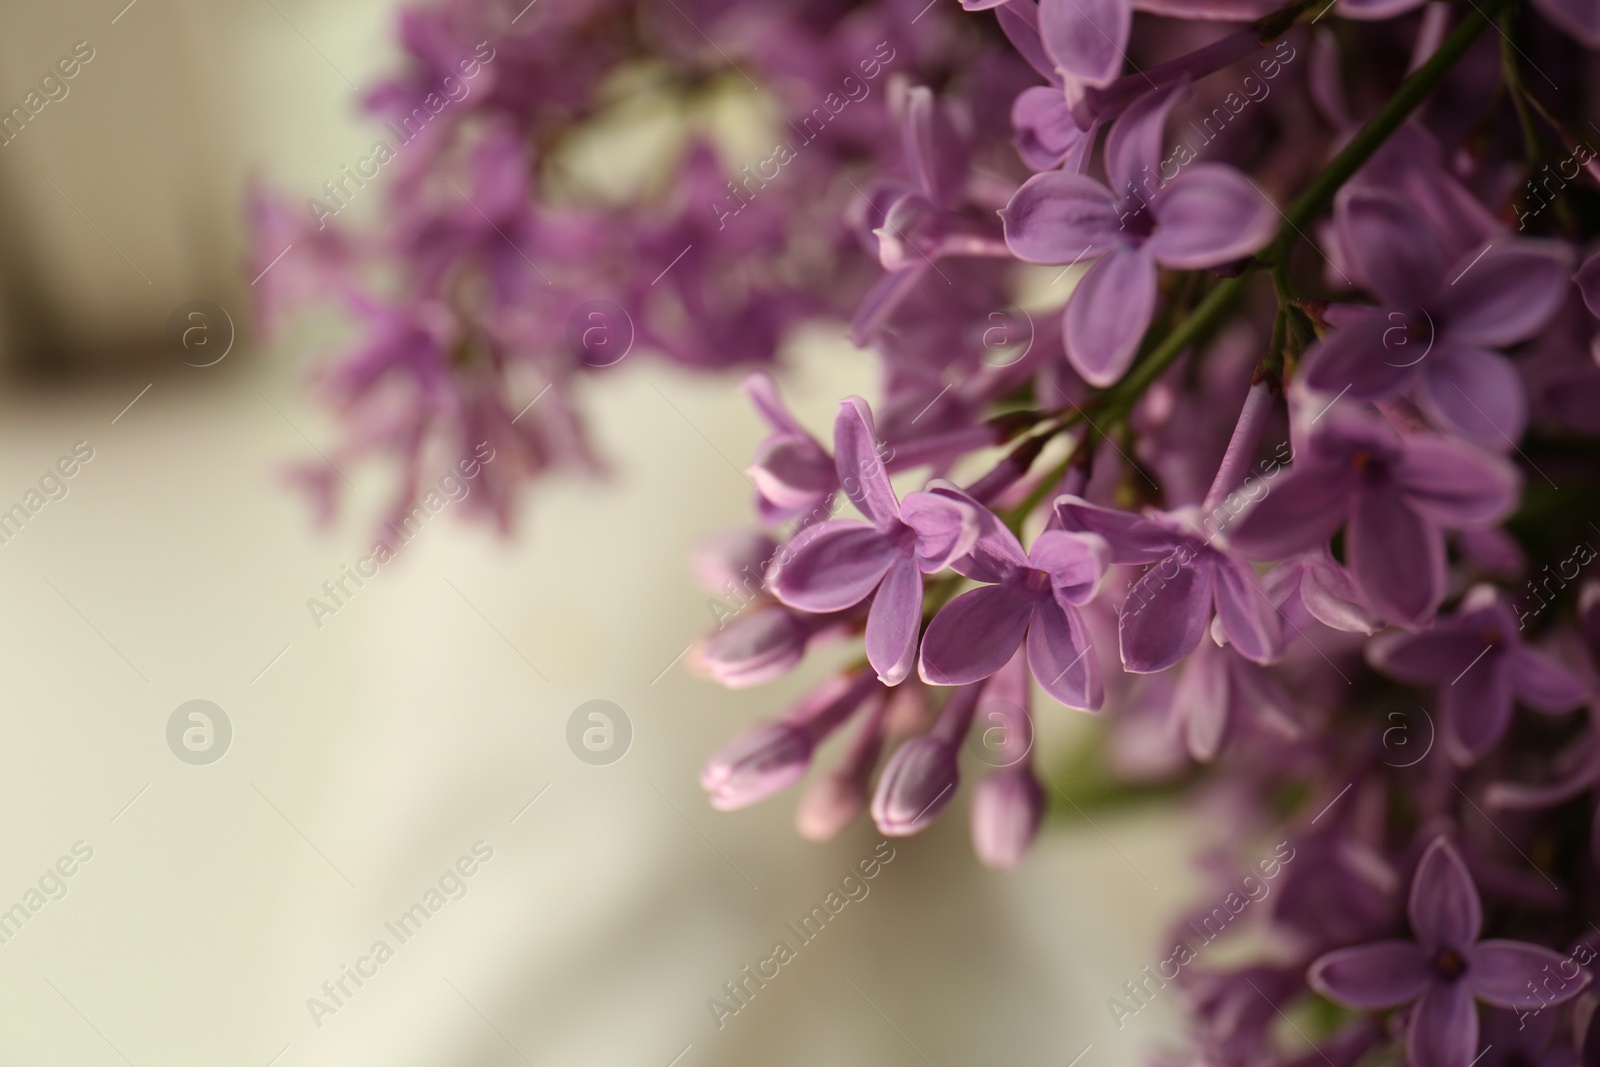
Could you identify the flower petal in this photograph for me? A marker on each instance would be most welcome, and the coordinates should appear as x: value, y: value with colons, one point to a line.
x: 1578, y: 770
x: 1020, y: 24
x: 1435, y: 655
x: 1248, y: 618
x: 1588, y: 277
x: 761, y: 645
x: 1508, y: 295
x: 1208, y: 215
x: 1507, y: 974
x: 1367, y: 358
x: 947, y: 527
x: 1108, y: 313
x: 1395, y: 555
x: 792, y: 474
x: 1444, y: 907
x: 932, y: 147
x: 756, y: 764
x: 1376, y: 10
x: 918, y: 783
x: 1475, y: 393
x: 1075, y: 563
x: 1331, y: 596
x: 1061, y: 655
x: 763, y: 394
x: 1475, y: 709
x: 833, y: 565
x: 1456, y: 484
x: 862, y: 474
x: 996, y: 555
x: 1578, y: 17
x: 1301, y: 512
x: 881, y: 301
x: 1543, y: 682
x: 1058, y: 217
x: 1384, y: 974
x: 1132, y: 539
x: 1007, y: 808
x: 1201, y: 697
x: 975, y: 634
x: 895, y: 621
x: 1165, y: 614
x: 1443, y: 1031
x: 1046, y: 133
x: 1138, y: 139
x: 1393, y: 247
x: 1086, y: 38
x: 1256, y: 691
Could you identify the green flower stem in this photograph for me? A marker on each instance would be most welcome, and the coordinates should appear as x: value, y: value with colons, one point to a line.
x: 1412, y: 92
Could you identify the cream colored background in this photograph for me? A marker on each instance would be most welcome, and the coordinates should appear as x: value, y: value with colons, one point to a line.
x: 377, y: 749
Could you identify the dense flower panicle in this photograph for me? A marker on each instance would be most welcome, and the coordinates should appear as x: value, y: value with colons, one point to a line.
x: 1238, y: 380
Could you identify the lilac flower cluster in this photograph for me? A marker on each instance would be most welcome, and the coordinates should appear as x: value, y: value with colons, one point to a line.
x: 501, y: 275
x: 1319, y: 398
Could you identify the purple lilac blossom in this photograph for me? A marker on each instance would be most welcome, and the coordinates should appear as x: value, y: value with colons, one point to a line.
x: 1205, y: 216
x: 1310, y: 621
x: 1443, y: 970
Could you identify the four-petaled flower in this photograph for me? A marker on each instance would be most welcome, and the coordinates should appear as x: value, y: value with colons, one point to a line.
x: 839, y: 563
x: 1394, y: 497
x: 1169, y: 608
x: 1438, y: 323
x: 1443, y: 970
x: 1033, y: 594
x: 1202, y: 215
x: 1482, y: 665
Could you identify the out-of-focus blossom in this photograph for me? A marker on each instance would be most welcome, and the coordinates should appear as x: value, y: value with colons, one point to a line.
x: 1392, y: 495
x: 1483, y: 667
x: 1439, y: 323
x: 1443, y: 970
x: 768, y: 758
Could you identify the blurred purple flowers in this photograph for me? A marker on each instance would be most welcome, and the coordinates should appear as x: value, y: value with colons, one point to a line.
x: 1444, y: 969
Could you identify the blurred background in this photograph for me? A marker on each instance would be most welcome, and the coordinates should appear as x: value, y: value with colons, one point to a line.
x: 224, y: 886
